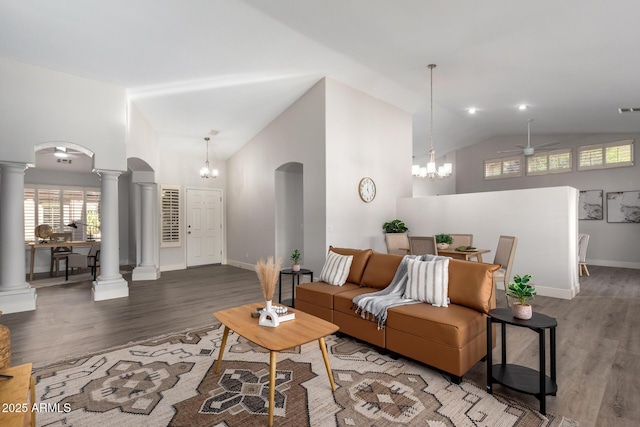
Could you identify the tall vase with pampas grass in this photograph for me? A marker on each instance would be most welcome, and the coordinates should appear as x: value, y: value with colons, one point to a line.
x: 268, y: 275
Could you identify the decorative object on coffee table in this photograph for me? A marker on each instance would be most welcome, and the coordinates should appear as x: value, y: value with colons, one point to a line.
x: 295, y: 257
x: 443, y: 240
x: 268, y: 273
x: 523, y: 292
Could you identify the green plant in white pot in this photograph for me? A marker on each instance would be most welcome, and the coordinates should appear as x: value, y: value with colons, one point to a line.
x: 443, y: 240
x: 295, y: 257
x: 523, y: 292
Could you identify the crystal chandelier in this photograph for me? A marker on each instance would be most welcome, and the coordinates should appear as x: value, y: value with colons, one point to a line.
x: 206, y: 172
x: 432, y: 171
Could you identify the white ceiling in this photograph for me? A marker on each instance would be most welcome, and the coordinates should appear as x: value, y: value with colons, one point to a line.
x: 196, y: 65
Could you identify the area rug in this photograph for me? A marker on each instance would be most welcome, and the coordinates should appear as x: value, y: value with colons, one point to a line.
x: 169, y: 381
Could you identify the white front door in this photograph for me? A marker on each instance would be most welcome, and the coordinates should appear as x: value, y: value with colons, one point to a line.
x: 204, y: 227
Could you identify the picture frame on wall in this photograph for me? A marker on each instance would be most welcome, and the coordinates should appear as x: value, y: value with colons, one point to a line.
x: 590, y: 205
x: 623, y: 206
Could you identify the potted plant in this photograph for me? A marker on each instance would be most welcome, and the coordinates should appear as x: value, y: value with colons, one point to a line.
x: 295, y: 257
x: 395, y: 226
x: 523, y: 292
x: 443, y: 240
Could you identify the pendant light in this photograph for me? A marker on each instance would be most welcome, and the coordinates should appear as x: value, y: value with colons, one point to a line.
x: 432, y: 171
x: 206, y: 172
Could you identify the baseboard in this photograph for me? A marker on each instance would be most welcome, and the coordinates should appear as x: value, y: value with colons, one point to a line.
x: 244, y: 265
x: 611, y: 263
x: 173, y: 267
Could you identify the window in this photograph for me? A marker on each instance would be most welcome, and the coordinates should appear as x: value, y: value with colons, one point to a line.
x: 556, y: 161
x: 59, y: 206
x: 507, y: 167
x: 608, y: 155
x: 170, y: 221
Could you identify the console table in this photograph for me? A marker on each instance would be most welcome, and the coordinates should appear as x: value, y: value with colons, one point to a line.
x: 17, y: 395
x: 294, y: 275
x: 521, y: 378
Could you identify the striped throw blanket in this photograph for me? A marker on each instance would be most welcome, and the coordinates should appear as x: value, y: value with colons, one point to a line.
x: 375, y: 305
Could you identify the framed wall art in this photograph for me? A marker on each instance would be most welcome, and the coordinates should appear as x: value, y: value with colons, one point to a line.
x: 623, y: 206
x: 590, y: 204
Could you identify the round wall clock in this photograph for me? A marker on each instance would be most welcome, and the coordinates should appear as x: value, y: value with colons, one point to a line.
x: 367, y: 189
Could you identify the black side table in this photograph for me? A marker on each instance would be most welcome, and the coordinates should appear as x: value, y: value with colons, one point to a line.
x: 294, y: 275
x: 521, y: 378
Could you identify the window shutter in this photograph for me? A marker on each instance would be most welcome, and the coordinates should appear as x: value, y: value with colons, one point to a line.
x: 608, y: 155
x: 171, y: 219
x: 92, y: 200
x: 72, y: 208
x: 29, y: 214
x: 49, y: 209
x: 503, y: 168
x: 556, y: 161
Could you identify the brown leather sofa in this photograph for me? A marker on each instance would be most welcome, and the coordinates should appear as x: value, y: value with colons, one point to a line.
x: 451, y: 339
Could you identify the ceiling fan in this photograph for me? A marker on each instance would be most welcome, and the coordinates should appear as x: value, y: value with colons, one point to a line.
x: 529, y: 150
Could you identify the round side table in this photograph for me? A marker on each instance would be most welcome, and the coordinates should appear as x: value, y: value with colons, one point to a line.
x: 521, y: 378
x: 294, y: 275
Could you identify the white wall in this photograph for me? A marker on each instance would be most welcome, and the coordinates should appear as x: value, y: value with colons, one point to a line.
x: 616, y: 245
x: 297, y: 135
x: 544, y: 220
x: 339, y: 135
x: 40, y: 105
x: 365, y: 137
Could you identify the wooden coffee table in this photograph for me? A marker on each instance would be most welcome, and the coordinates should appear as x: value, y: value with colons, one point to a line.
x: 301, y: 330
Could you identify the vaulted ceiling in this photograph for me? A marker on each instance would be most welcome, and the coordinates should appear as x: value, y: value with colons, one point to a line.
x: 192, y: 66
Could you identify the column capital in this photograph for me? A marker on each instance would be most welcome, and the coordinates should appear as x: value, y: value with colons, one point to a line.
x: 108, y: 172
x: 17, y: 166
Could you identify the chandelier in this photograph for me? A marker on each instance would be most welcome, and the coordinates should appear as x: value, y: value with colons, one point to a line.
x: 206, y: 172
x: 432, y: 171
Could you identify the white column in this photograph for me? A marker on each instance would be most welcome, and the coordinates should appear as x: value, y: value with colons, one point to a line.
x: 146, y: 269
x: 15, y: 293
x: 110, y: 284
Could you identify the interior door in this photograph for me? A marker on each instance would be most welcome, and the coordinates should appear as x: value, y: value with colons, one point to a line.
x: 204, y: 227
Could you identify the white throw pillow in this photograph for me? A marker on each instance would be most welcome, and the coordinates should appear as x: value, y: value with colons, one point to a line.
x: 336, y: 269
x: 428, y: 281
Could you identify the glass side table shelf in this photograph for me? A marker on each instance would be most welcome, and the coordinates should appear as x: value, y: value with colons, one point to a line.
x: 521, y: 378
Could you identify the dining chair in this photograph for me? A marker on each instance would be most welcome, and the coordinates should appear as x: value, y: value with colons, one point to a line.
x: 59, y: 253
x: 397, y: 243
x: 505, y: 254
x: 79, y: 261
x: 583, y: 242
x: 461, y: 240
x: 422, y: 245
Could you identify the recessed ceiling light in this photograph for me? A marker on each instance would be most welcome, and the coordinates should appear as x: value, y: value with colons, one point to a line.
x: 472, y: 110
x: 522, y: 107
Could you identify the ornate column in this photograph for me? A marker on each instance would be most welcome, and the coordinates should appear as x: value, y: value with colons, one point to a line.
x: 15, y: 293
x: 146, y: 269
x: 110, y: 284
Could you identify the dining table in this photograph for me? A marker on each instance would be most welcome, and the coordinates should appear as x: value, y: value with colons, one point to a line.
x: 466, y: 254
x: 52, y: 246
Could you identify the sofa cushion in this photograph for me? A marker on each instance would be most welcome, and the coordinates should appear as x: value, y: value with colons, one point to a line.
x: 336, y: 269
x: 428, y: 281
x: 343, y: 301
x: 321, y: 293
x: 380, y: 270
x: 453, y: 327
x: 360, y: 258
x: 471, y: 284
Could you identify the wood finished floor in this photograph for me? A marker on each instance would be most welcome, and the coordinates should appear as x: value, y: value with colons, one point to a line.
x: 598, y: 344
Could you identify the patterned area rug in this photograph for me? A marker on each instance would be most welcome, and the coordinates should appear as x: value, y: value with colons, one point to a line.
x: 169, y: 381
